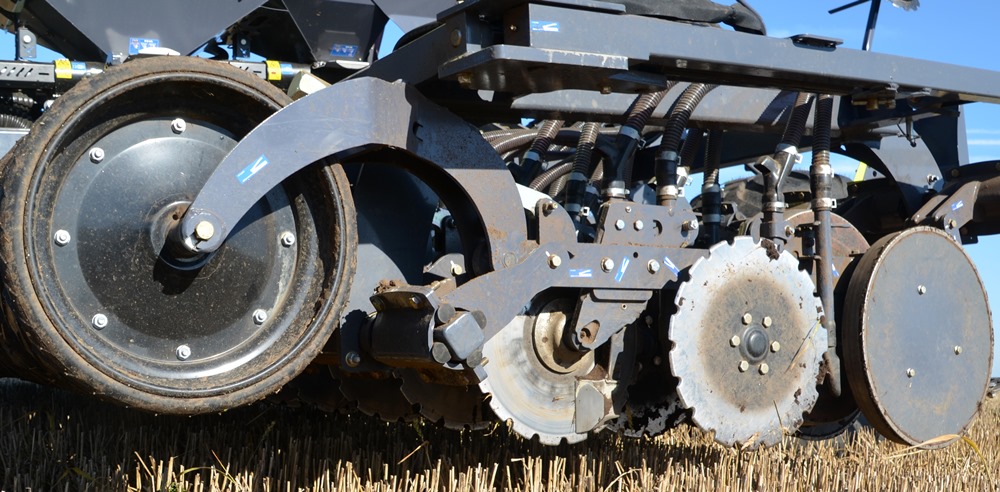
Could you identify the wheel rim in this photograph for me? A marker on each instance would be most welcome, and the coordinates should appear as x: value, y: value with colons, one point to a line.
x: 159, y: 323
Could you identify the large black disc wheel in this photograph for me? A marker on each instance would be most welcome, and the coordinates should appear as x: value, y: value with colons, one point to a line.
x: 100, y: 299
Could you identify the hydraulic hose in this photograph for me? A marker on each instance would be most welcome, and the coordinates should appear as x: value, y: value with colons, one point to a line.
x: 576, y: 186
x: 534, y: 157
x: 12, y: 121
x: 711, y: 192
x: 820, y: 181
x: 628, y: 140
x: 668, y: 158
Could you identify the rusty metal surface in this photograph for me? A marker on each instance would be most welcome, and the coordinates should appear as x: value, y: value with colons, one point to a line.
x: 747, y: 343
x: 918, y: 336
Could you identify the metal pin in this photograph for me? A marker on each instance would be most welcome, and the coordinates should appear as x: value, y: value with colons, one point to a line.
x: 911, y: 372
x: 352, y: 359
x: 96, y: 155
x: 554, y: 261
x: 183, y: 352
x: 178, y: 126
x: 204, y: 231
x: 61, y: 237
x: 958, y: 349
x: 921, y: 290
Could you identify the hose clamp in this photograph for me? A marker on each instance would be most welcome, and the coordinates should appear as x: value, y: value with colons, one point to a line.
x: 822, y: 169
x: 630, y: 132
x: 531, y: 155
x: 824, y: 203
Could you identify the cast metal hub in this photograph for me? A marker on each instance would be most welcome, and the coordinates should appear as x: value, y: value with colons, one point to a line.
x: 747, y: 343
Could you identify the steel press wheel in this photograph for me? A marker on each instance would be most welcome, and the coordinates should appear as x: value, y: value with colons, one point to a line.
x: 98, y: 296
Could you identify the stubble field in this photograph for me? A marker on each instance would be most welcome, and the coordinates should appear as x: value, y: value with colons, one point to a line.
x: 50, y: 440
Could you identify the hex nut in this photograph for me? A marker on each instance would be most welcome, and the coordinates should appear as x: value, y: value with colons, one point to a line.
x: 96, y: 155
x: 764, y: 368
x: 99, y: 321
x: 744, y: 366
x: 958, y: 349
x: 638, y: 225
x: 911, y: 372
x: 554, y: 261
x: 619, y: 224
x: 204, y: 230
x: 921, y: 290
x: 735, y: 341
x: 607, y: 264
x: 287, y: 239
x: 653, y: 266
x: 259, y: 316
x: 178, y: 126
x: 62, y: 237
x: 183, y: 352
x: 747, y: 318
x: 766, y: 322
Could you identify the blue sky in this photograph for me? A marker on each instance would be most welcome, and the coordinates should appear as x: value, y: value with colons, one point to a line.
x: 953, y: 32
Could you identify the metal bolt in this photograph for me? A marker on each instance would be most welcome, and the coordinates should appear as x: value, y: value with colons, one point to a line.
x: 789, y: 231
x: 554, y: 261
x: 958, y: 349
x: 259, y: 316
x: 653, y: 266
x: 26, y: 38
x: 607, y: 264
x: 61, y: 237
x: 414, y: 302
x: 204, y: 231
x: 911, y: 372
x: 549, y: 206
x: 952, y: 224
x: 457, y: 269
x: 512, y: 28
x: 764, y: 368
x: 456, y: 37
x: 353, y: 359
x: 744, y: 366
x: 628, y: 209
x: 766, y: 321
x: 606, y: 89
x: 747, y: 318
x: 775, y: 346
x: 921, y: 290
x: 638, y: 225
x: 178, y: 126
x: 619, y: 224
x: 735, y: 341
x: 99, y: 321
x: 183, y: 352
x: 96, y: 155
x: 243, y: 41
x: 932, y: 178
x: 690, y: 225
x: 287, y: 239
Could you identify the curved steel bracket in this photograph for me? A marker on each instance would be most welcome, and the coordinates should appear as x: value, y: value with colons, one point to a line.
x: 367, y: 118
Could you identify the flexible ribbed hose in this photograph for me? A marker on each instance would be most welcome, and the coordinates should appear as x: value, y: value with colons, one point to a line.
x: 667, y: 159
x: 576, y: 186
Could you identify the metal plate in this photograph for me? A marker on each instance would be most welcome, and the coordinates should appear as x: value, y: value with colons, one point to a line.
x: 747, y: 343
x: 918, y: 337
x: 453, y: 406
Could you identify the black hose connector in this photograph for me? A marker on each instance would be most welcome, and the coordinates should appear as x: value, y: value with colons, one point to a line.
x: 583, y: 165
x: 711, y: 192
x: 534, y: 157
x: 627, y: 142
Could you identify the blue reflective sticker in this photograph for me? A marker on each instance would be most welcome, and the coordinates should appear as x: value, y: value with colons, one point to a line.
x: 836, y: 274
x: 78, y: 66
x: 621, y: 270
x: 286, y: 69
x: 957, y: 205
x: 252, y: 169
x: 544, y: 26
x: 581, y: 273
x: 137, y: 44
x: 671, y: 266
x: 344, y: 50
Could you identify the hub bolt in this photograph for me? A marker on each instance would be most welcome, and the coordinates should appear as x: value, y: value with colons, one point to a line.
x: 96, y: 155
x: 554, y: 261
x: 457, y: 269
x: 921, y: 290
x: 764, y: 368
x: 99, y: 321
x: 735, y: 341
x: 766, y: 321
x: 178, y: 126
x: 259, y: 316
x: 619, y: 224
x: 287, y: 239
x: 352, y: 359
x: 958, y: 349
x: 607, y: 264
x: 911, y: 372
x: 775, y: 346
x: 61, y: 237
x: 638, y: 225
x: 183, y: 352
x: 653, y: 266
x: 744, y: 366
x: 747, y: 318
x: 204, y: 230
